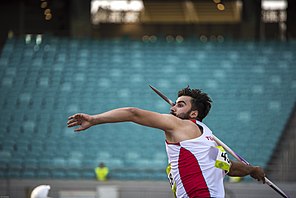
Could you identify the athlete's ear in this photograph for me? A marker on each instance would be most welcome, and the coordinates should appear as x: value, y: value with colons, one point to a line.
x: 193, y: 114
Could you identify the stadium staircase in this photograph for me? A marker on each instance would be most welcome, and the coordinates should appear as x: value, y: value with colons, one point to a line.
x: 282, y: 164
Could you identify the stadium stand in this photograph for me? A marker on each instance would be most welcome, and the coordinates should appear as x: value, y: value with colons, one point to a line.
x: 252, y: 84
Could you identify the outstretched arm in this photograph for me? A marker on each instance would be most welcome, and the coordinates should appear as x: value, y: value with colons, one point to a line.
x: 164, y: 122
x: 240, y: 169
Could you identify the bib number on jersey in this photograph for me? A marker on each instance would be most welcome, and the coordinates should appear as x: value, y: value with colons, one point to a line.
x: 171, y: 179
x: 222, y: 160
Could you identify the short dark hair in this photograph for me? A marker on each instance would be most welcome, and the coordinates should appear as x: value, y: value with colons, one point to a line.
x: 200, y: 101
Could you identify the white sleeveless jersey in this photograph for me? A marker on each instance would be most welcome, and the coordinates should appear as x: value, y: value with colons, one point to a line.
x: 192, y: 166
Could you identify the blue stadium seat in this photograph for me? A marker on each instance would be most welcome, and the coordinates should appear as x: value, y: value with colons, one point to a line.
x: 43, y: 173
x: 59, y: 174
x: 28, y: 174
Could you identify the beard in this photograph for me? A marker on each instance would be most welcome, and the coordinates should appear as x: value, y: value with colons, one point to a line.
x: 183, y: 116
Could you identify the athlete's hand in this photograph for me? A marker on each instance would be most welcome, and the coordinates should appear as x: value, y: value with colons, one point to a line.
x: 258, y: 173
x: 80, y: 119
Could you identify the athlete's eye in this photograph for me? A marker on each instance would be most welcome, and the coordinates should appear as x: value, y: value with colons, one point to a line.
x: 180, y: 105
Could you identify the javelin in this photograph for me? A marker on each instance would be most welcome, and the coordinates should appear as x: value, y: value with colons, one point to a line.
x: 229, y: 150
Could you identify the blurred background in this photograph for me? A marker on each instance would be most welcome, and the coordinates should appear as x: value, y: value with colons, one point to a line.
x: 63, y: 57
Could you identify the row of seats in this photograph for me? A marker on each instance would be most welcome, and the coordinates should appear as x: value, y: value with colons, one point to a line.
x: 118, y: 174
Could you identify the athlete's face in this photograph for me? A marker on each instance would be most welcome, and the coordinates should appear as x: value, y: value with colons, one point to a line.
x: 182, y: 108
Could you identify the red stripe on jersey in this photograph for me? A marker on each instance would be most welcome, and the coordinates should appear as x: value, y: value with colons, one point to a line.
x: 191, y: 175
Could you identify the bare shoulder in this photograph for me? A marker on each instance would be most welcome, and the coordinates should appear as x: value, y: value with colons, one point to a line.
x: 190, y: 125
x: 174, y: 123
x: 185, y: 130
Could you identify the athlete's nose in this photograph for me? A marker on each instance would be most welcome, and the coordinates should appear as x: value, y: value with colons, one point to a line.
x: 173, y: 109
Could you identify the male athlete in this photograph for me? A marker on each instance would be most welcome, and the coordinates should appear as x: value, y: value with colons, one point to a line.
x: 197, y: 165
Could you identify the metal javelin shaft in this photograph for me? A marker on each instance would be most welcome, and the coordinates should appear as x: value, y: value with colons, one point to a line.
x: 228, y: 149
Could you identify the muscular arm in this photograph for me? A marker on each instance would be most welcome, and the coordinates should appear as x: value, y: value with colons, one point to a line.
x: 240, y: 169
x: 164, y: 122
